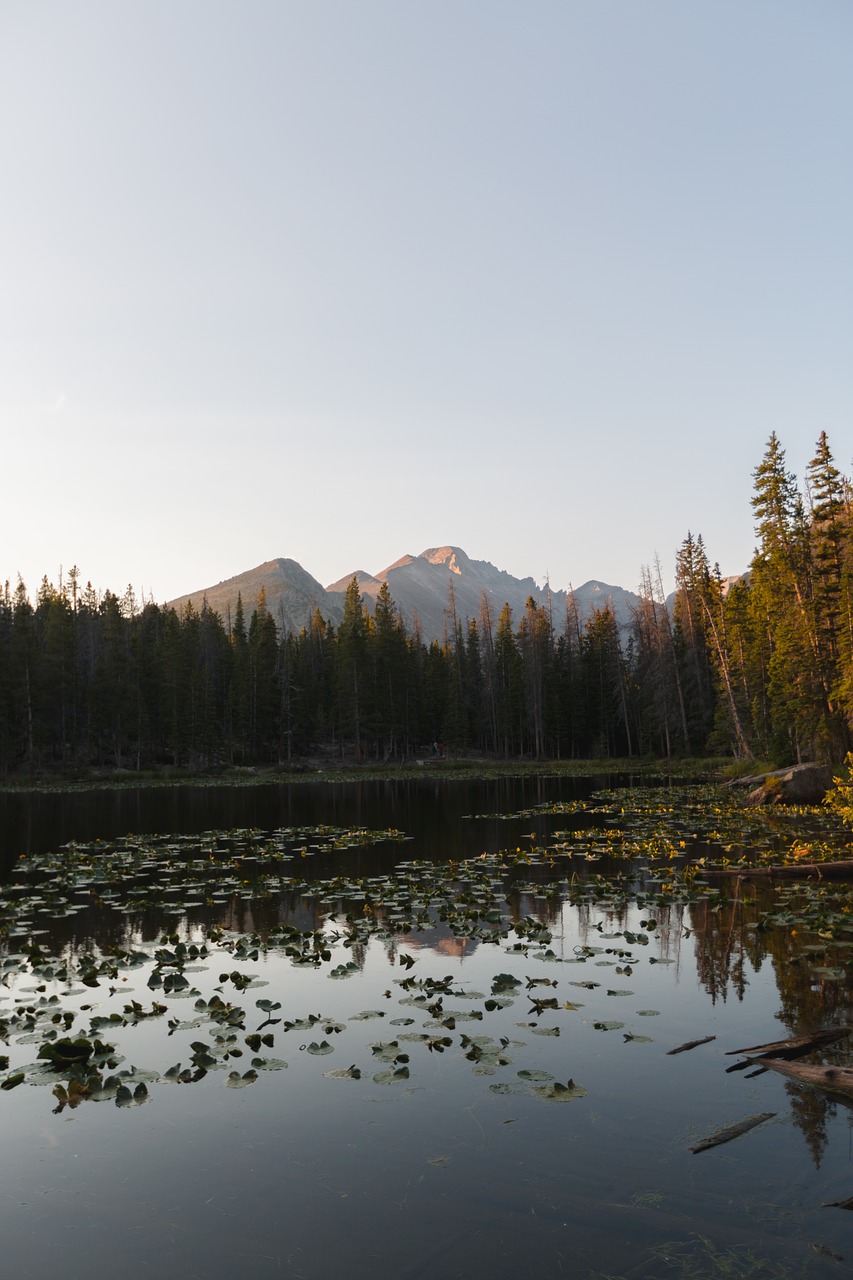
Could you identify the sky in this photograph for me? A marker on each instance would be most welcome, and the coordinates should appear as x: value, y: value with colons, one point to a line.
x: 342, y: 281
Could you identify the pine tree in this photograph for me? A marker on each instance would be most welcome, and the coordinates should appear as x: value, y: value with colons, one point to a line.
x: 352, y: 670
x: 830, y: 527
x: 509, y: 686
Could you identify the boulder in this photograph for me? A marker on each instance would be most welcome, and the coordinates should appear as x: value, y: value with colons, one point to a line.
x: 797, y: 784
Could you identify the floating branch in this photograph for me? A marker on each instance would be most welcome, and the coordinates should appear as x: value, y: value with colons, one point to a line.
x: 832, y: 1079
x: 796, y: 1047
x: 690, y: 1044
x: 732, y: 1131
x: 823, y: 870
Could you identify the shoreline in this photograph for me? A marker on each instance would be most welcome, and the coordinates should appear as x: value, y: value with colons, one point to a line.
x: 446, y: 770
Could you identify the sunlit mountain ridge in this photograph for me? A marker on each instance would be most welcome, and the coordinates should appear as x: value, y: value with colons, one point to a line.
x: 434, y: 591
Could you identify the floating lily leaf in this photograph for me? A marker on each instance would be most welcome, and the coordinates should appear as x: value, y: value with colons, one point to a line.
x: 557, y: 1092
x: 236, y: 1081
x: 545, y: 1031
x: 322, y: 1048
x: 608, y: 1026
x: 393, y: 1076
x: 63, y: 1052
x: 269, y: 1064
x: 388, y: 1051
x: 255, y: 1041
x: 124, y: 1097
x: 505, y: 982
x: 343, y: 1073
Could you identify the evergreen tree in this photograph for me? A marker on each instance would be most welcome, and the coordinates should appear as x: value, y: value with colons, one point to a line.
x: 352, y: 668
x: 509, y: 686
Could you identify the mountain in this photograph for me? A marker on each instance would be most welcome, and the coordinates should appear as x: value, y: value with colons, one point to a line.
x: 420, y: 588
x: 292, y: 595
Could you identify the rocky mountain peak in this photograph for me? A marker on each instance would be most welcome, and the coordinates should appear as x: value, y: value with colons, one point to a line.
x: 453, y: 558
x: 420, y: 588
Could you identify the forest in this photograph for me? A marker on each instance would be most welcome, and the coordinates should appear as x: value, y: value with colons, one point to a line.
x: 757, y: 667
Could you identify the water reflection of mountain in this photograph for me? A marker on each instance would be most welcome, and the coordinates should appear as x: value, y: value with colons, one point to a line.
x: 439, y: 938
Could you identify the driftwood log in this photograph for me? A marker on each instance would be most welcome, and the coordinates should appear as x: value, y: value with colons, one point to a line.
x: 843, y: 870
x: 838, y: 1080
x: 794, y: 1047
x: 731, y: 1131
x: 690, y: 1044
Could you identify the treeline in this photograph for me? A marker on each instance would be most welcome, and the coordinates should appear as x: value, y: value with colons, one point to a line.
x: 763, y: 666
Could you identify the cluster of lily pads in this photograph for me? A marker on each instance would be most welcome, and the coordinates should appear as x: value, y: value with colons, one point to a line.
x: 55, y: 981
x: 88, y: 1065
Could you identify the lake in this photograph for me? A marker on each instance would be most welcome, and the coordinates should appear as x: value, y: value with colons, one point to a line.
x: 414, y: 1028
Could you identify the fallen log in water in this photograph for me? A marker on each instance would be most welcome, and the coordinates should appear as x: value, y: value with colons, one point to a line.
x: 831, y: 1079
x: 795, y: 1047
x: 823, y: 870
x: 691, y: 1044
x: 732, y: 1131
x: 838, y: 1204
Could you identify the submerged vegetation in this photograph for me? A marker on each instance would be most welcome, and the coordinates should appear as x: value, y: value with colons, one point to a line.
x: 759, y: 666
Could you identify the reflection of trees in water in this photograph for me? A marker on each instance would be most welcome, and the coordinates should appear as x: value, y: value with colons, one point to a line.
x: 731, y: 937
x: 730, y: 940
x: 810, y: 1111
x: 721, y: 944
x: 666, y: 934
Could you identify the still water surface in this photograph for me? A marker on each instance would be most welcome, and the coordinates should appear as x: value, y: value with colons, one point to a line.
x: 458, y: 1166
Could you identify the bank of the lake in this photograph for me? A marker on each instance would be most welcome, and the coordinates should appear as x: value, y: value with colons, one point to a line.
x: 301, y: 772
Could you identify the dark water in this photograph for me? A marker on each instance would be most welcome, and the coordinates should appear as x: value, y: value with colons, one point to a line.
x: 453, y: 1170
x: 429, y: 810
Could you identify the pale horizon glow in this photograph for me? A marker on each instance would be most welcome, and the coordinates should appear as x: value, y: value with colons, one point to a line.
x: 338, y: 283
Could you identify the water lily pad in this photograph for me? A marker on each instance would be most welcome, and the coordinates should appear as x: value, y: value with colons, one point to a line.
x: 393, y: 1076
x: 557, y: 1092
x: 236, y: 1081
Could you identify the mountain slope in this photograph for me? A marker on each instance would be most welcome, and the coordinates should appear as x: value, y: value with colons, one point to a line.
x: 292, y: 595
x: 420, y: 587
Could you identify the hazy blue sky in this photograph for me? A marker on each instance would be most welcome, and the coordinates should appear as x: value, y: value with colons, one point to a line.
x: 343, y: 279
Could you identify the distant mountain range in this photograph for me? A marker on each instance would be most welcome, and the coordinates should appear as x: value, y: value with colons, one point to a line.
x: 420, y: 588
